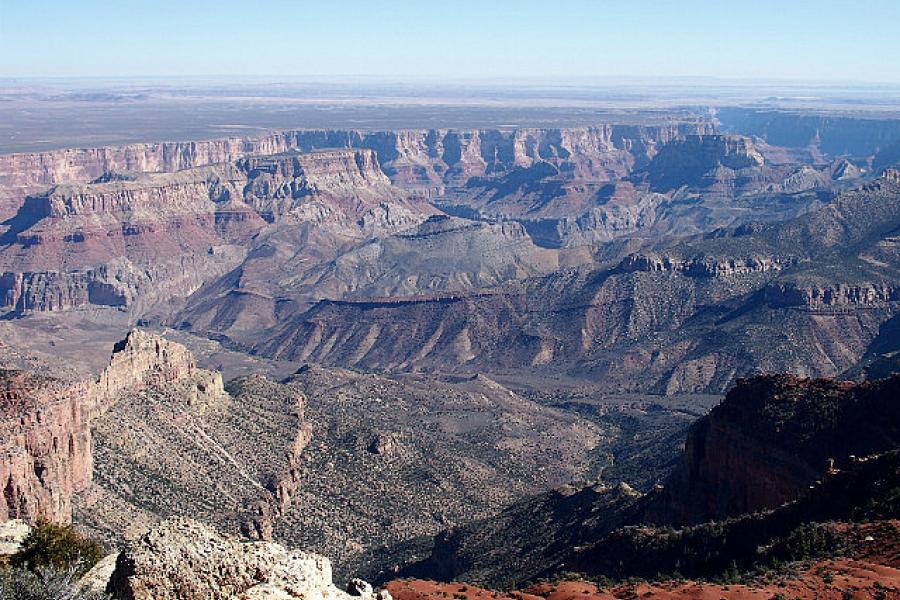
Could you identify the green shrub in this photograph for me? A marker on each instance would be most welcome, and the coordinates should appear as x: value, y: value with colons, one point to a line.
x: 808, y: 541
x: 59, y: 547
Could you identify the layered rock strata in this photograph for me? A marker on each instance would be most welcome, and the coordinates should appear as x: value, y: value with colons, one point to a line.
x: 420, y: 159
x: 141, y: 241
x: 773, y: 437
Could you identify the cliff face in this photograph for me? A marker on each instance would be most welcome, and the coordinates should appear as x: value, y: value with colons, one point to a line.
x: 829, y: 134
x: 834, y: 297
x: 699, y: 267
x: 119, y: 243
x: 46, y: 453
x: 328, y: 187
x: 771, y: 439
x: 121, y: 283
x: 153, y: 436
x: 420, y: 160
x: 778, y: 455
x: 720, y: 163
x: 139, y: 241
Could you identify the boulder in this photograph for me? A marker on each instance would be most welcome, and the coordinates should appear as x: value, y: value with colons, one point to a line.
x: 182, y: 558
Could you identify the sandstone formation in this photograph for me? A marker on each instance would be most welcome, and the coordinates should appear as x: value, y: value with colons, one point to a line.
x: 46, y: 444
x: 892, y: 175
x: 828, y: 134
x: 704, y: 161
x: 807, y: 295
x: 46, y: 449
x: 182, y: 558
x: 136, y: 242
x: 47, y: 453
x: 827, y: 510
x: 699, y: 266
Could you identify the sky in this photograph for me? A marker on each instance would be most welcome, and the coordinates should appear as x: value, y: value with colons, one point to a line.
x: 825, y: 40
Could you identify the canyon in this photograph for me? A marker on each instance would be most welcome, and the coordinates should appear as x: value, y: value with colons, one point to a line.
x: 778, y: 452
x: 485, y: 354
x: 47, y: 448
x: 279, y: 244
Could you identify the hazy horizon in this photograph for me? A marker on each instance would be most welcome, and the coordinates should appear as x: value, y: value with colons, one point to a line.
x: 769, y: 41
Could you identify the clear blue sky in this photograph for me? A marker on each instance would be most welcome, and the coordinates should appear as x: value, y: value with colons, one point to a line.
x: 784, y: 39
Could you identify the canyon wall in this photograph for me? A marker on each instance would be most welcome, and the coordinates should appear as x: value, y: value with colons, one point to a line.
x: 831, y: 297
x: 770, y: 439
x: 699, y: 266
x: 137, y: 241
x: 833, y: 135
x: 420, y: 160
x: 45, y: 447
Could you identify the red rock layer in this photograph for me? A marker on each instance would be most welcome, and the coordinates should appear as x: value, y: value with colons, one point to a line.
x: 773, y: 437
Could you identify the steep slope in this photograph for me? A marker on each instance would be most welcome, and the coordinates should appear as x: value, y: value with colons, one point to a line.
x: 806, y: 296
x: 419, y: 160
x: 690, y: 184
x: 289, y: 273
x: 770, y: 439
x: 146, y: 240
x: 229, y: 457
x: 758, y: 458
x: 47, y: 451
x: 121, y: 242
x: 822, y: 133
x: 520, y: 542
x: 865, y: 491
x: 152, y: 436
x: 713, y: 162
x: 430, y: 452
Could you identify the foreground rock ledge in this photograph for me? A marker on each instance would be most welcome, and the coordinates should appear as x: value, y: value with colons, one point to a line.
x: 182, y: 558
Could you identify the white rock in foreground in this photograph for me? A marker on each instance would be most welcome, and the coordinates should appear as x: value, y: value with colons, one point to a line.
x: 12, y: 534
x: 183, y: 559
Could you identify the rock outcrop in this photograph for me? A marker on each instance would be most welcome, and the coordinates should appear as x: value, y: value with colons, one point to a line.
x: 46, y: 453
x: 833, y: 297
x: 230, y: 457
x: 699, y: 266
x: 829, y: 134
x: 779, y: 456
x: 12, y: 534
x: 143, y: 359
x: 718, y: 162
x: 45, y: 446
x: 182, y: 558
x: 770, y: 439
